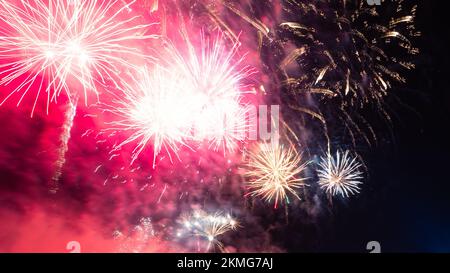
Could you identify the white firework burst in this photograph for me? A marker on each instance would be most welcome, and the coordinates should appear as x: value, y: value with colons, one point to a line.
x: 340, y: 174
x: 274, y: 172
x: 184, y: 100
x: 155, y: 108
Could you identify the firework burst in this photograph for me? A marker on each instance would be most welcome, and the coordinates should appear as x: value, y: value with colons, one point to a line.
x: 340, y: 174
x: 207, y: 228
x: 156, y: 109
x: 216, y: 74
x: 341, y: 56
x: 350, y: 49
x: 273, y: 173
x: 50, y: 45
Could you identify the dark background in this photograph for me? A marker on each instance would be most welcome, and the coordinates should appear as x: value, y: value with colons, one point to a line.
x: 406, y: 204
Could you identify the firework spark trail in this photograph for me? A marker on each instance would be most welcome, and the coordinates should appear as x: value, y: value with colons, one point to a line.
x: 340, y: 174
x: 356, y: 65
x: 64, y: 144
x: 273, y: 172
x: 207, y: 228
x: 50, y: 45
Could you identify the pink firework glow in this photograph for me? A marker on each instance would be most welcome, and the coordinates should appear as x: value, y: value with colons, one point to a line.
x: 49, y: 47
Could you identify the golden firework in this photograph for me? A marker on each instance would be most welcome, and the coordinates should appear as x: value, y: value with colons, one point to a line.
x: 274, y: 173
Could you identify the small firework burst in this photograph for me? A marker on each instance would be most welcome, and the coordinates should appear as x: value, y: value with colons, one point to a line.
x: 274, y: 172
x: 64, y: 146
x: 215, y: 73
x: 340, y: 174
x: 207, y: 228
